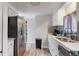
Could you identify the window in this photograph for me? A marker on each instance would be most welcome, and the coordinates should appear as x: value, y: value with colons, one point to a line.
x: 70, y: 24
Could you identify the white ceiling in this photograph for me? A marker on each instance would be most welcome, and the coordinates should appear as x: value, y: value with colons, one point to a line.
x: 43, y: 8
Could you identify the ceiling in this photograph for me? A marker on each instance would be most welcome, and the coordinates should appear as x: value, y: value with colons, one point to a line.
x: 43, y: 8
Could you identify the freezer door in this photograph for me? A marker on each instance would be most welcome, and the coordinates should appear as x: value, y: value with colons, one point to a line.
x: 0, y: 27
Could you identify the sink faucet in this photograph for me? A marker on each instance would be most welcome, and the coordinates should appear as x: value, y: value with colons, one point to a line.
x: 73, y: 37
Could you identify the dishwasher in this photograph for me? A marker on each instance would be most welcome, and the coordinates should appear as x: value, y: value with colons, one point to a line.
x: 64, y: 52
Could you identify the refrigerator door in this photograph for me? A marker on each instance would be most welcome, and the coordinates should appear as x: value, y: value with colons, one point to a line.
x: 0, y: 28
x: 21, y: 40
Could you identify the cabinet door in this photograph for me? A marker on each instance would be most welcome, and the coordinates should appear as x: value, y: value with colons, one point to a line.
x: 0, y: 27
x: 58, y: 17
x: 55, y: 19
x: 11, y: 48
x: 53, y: 47
x: 10, y: 51
x: 11, y: 12
x: 61, y: 14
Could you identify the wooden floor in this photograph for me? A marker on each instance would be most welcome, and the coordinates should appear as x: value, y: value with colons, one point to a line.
x: 35, y: 52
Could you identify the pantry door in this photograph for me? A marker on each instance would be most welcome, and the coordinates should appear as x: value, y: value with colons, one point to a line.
x: 0, y: 29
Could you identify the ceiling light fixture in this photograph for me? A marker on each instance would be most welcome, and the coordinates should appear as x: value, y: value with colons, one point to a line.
x: 35, y: 3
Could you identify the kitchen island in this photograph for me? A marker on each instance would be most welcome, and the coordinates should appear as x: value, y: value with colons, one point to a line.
x: 54, y: 44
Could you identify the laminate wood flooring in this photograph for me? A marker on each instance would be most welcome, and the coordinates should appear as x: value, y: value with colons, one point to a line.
x: 36, y: 52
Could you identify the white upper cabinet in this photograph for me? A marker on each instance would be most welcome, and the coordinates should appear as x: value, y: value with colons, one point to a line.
x: 66, y: 9
x: 55, y: 19
x: 70, y: 8
x: 11, y: 11
x: 61, y: 14
x: 58, y: 17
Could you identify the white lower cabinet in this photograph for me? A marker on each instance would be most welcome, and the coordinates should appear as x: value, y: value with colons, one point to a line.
x: 0, y: 54
x: 53, y: 47
x: 10, y: 47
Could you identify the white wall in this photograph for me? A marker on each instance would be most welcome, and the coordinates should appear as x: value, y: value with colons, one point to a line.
x: 37, y: 27
x: 0, y: 27
x: 41, y: 31
x: 30, y: 32
x: 5, y: 31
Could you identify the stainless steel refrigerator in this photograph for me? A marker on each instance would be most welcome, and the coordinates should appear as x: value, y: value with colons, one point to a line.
x: 17, y: 30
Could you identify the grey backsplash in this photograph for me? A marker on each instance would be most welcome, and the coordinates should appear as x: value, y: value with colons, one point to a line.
x: 51, y: 28
x: 60, y: 28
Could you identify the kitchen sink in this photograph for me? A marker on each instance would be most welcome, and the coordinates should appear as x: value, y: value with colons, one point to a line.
x: 65, y: 39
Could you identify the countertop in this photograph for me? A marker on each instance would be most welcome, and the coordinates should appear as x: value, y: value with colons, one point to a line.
x: 68, y: 45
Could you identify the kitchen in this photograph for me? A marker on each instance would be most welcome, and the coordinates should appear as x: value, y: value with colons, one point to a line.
x: 63, y: 37
x: 57, y: 30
